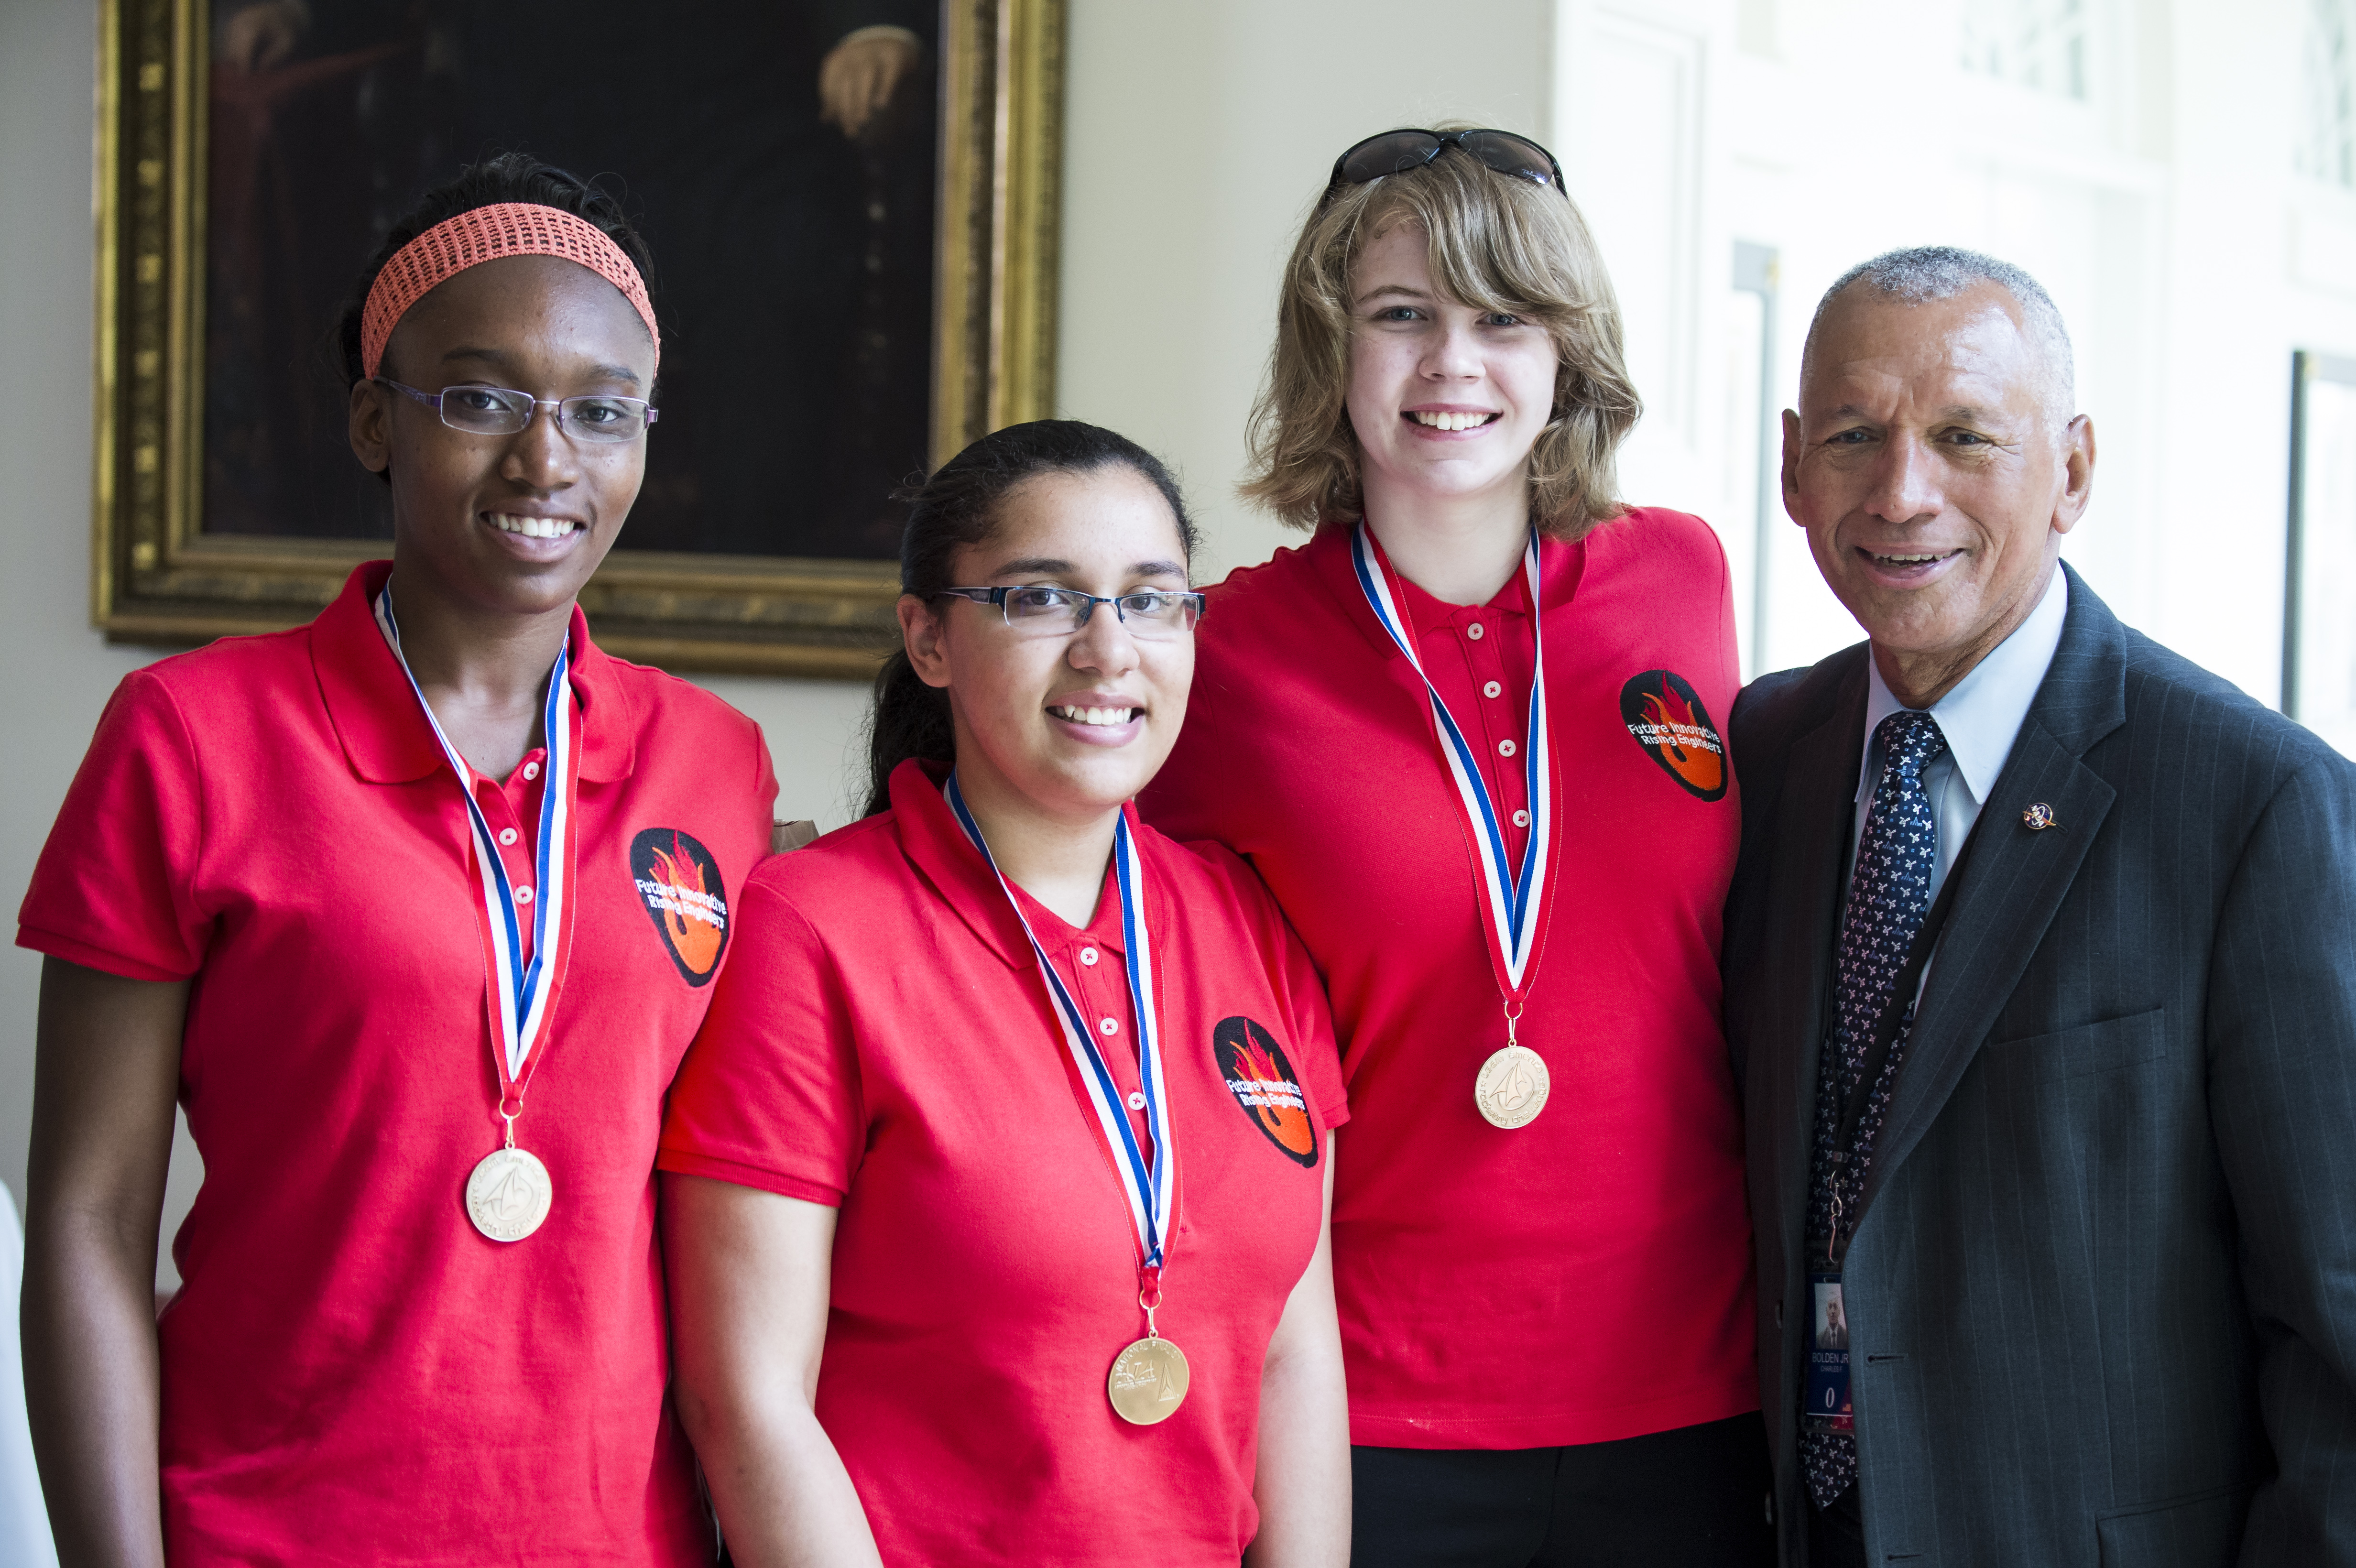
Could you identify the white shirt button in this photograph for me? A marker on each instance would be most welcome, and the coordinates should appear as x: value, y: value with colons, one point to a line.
x: 532, y: 770
x: 1475, y: 631
x: 1491, y: 689
x: 507, y: 835
x: 1108, y: 1025
x: 523, y: 895
x: 1521, y: 819
x: 1087, y: 954
x: 1505, y: 748
x: 1137, y: 1099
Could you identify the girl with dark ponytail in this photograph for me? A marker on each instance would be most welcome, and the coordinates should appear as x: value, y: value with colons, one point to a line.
x: 957, y: 509
x: 925, y: 1307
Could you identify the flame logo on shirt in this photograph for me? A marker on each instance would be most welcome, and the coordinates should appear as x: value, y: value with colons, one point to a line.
x: 1262, y: 1082
x: 1667, y: 716
x: 679, y: 881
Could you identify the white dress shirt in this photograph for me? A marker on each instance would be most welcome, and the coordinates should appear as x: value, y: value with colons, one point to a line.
x: 1980, y: 718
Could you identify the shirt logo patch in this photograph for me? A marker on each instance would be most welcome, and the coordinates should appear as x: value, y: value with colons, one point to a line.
x: 679, y: 883
x: 1262, y: 1080
x: 1668, y: 719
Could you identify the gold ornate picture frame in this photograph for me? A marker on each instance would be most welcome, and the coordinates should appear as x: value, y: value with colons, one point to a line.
x: 159, y: 577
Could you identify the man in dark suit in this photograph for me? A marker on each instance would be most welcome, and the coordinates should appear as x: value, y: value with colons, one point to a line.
x: 2041, y: 965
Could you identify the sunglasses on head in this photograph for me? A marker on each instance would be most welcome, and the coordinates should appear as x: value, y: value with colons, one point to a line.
x: 1396, y: 152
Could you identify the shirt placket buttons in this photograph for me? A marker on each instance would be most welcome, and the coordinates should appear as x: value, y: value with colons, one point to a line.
x: 1508, y: 781
x: 1108, y: 1023
x: 499, y: 812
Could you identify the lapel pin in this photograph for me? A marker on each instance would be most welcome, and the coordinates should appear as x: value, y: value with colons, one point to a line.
x: 2040, y: 817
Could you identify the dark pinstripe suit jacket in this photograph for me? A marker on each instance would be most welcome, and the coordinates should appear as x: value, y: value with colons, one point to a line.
x: 2101, y: 1299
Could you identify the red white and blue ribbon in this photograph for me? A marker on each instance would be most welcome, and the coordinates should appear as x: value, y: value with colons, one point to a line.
x: 1146, y: 1180
x: 1515, y: 896
x: 522, y: 990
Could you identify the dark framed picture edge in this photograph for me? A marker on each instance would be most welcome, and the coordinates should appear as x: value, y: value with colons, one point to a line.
x: 158, y: 580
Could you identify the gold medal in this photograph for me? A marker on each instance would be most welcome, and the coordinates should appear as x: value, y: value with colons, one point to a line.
x: 508, y: 1191
x: 1148, y: 1382
x: 508, y: 1194
x: 1513, y: 1087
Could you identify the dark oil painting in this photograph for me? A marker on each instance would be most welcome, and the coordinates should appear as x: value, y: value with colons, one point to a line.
x: 779, y: 156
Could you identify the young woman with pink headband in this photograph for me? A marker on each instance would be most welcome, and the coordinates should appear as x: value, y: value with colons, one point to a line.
x: 414, y: 910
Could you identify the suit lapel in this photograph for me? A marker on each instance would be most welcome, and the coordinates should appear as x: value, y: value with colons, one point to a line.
x: 2016, y: 877
x: 1812, y: 822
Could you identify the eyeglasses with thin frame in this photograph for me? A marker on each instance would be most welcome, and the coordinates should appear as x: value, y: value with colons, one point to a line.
x: 1044, y: 612
x: 1396, y: 152
x: 502, y: 410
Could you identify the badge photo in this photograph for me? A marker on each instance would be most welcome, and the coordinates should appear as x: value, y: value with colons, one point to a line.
x: 1665, y: 715
x: 679, y: 881
x: 1827, y: 1406
x: 1261, y: 1076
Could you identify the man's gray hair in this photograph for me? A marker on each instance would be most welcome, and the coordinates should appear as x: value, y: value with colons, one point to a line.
x: 1925, y: 273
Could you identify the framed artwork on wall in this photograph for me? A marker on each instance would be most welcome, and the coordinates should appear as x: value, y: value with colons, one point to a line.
x: 851, y: 206
x: 2320, y: 606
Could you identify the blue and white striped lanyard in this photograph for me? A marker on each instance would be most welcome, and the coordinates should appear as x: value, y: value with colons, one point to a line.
x: 1515, y: 897
x: 522, y: 989
x: 1146, y: 1180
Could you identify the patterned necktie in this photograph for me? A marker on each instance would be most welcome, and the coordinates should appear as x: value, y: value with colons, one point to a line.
x: 1888, y: 895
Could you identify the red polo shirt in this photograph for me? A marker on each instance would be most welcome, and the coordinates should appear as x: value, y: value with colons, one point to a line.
x: 351, y: 1373
x: 883, y: 1043
x: 1585, y: 1277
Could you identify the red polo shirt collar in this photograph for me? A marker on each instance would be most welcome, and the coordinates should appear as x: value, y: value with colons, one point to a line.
x: 387, y: 741
x: 1561, y: 567
x: 935, y: 843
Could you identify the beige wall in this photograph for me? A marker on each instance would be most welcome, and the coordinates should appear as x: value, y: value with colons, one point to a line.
x: 59, y: 670
x: 1197, y: 135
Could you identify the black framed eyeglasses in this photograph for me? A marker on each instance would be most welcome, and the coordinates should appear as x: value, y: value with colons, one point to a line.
x: 501, y: 411
x: 1396, y: 152
x: 1060, y: 612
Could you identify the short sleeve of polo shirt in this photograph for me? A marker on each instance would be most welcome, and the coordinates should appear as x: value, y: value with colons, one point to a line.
x: 768, y: 1095
x: 114, y: 886
x: 765, y: 773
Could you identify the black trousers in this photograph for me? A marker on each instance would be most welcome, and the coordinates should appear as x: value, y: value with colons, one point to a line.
x: 1693, y: 1498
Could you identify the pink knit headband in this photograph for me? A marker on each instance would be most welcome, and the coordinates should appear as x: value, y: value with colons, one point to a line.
x: 486, y: 234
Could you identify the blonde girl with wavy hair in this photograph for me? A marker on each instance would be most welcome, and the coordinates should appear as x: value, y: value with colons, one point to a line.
x: 1468, y: 732
x: 1503, y: 247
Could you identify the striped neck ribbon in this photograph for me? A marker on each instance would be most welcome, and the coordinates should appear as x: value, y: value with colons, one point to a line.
x: 522, y: 991
x: 1147, y: 1181
x: 1515, y: 896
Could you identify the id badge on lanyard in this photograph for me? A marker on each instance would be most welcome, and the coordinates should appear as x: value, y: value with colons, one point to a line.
x: 1825, y: 1405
